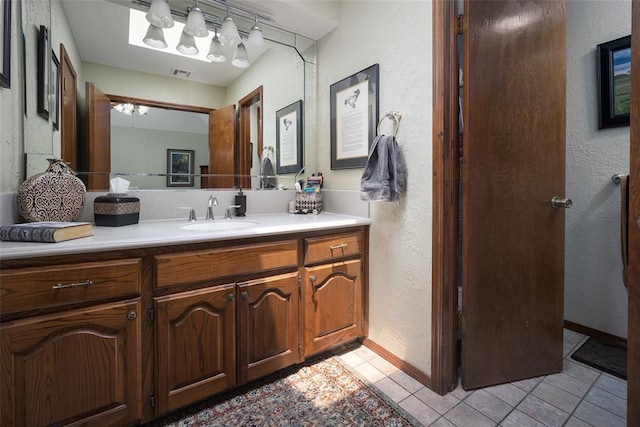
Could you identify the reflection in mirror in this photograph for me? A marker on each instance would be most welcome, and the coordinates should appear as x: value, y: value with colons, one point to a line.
x: 94, y: 34
x: 140, y: 142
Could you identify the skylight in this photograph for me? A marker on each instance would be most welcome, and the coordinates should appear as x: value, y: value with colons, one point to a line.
x: 138, y: 27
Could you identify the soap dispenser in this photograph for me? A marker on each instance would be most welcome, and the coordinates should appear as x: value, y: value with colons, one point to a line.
x: 241, y: 200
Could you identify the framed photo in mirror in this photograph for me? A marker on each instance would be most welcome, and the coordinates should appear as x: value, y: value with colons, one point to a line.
x: 614, y: 82
x: 55, y: 91
x: 5, y: 53
x: 44, y: 72
x: 180, y: 168
x: 354, y: 109
x: 289, y: 138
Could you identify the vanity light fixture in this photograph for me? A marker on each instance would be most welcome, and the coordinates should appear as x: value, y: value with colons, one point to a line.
x: 155, y: 37
x: 229, y: 32
x: 240, y: 58
x: 216, y: 52
x: 187, y: 44
x: 255, y: 35
x: 196, y: 25
x: 159, y: 14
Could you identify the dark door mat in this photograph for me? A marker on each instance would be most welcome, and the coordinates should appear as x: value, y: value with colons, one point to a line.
x: 607, y: 357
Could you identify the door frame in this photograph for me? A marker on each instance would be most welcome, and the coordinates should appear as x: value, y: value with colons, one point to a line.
x: 444, y: 313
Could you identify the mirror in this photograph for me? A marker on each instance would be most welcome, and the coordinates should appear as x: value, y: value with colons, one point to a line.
x: 285, y: 70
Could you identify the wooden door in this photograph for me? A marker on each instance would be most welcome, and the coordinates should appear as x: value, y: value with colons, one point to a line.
x: 68, y: 119
x: 332, y: 296
x: 195, y: 346
x: 633, y: 339
x: 222, y: 147
x: 268, y: 322
x: 513, y: 165
x: 80, y: 367
x: 98, y: 154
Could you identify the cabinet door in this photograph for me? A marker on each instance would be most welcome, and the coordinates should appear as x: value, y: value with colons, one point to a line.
x: 76, y: 367
x: 195, y: 345
x: 268, y: 322
x: 332, y: 297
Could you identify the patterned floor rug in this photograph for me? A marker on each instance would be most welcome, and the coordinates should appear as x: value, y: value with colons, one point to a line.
x: 320, y: 393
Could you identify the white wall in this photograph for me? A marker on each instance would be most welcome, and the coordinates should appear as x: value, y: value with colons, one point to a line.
x: 594, y: 292
x: 11, y: 116
x: 135, y: 150
x: 396, y: 35
x: 117, y: 81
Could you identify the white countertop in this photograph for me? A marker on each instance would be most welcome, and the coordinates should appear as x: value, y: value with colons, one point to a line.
x: 168, y: 232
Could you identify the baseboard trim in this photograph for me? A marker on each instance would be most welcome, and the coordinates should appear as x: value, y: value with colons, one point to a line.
x: 403, y: 365
x: 603, y: 336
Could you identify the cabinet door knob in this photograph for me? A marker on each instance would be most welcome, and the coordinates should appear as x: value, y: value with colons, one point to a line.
x: 245, y: 294
x: 231, y: 297
x: 312, y: 278
x: 132, y: 315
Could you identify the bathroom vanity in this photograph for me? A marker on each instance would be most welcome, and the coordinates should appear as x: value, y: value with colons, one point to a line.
x: 135, y: 322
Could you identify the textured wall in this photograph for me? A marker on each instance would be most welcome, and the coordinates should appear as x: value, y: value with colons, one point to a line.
x: 594, y: 293
x: 11, y: 116
x: 396, y: 35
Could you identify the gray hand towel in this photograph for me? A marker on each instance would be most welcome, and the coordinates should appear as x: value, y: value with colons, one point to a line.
x: 266, y: 174
x: 384, y: 175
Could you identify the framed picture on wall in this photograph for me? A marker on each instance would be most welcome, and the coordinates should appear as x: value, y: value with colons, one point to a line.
x: 614, y: 82
x: 354, y: 109
x: 180, y: 168
x: 289, y: 138
x: 5, y: 53
x: 44, y: 72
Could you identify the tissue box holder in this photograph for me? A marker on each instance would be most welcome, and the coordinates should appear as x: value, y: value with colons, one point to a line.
x: 114, y: 210
x: 308, y: 203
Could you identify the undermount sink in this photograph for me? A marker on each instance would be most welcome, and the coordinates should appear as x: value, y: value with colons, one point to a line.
x: 219, y: 225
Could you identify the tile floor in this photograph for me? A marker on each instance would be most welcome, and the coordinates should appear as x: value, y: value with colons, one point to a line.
x: 578, y: 396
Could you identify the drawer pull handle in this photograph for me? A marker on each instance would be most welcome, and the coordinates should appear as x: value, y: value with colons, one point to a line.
x: 72, y: 285
x: 340, y: 246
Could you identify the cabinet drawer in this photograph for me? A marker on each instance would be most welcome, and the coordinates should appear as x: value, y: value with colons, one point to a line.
x: 199, y: 266
x: 42, y: 287
x: 322, y: 249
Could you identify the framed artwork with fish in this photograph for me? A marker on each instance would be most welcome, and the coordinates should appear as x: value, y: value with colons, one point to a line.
x: 354, y: 114
x: 289, y: 138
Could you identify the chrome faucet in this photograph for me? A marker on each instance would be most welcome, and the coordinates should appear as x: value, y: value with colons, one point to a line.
x: 227, y: 212
x: 213, y: 201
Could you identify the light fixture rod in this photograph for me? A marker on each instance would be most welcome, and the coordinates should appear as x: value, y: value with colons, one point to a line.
x: 240, y: 8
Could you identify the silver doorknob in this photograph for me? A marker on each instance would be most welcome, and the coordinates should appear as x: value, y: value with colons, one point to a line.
x: 559, y: 202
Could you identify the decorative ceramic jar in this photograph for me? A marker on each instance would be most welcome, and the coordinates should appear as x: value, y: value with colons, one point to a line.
x: 55, y: 195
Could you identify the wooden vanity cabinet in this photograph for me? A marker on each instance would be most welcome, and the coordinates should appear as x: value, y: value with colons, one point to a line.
x: 268, y: 326
x: 195, y: 345
x: 332, y: 291
x: 79, y: 365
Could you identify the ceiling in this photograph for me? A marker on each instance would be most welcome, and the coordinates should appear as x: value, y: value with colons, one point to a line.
x: 101, y: 31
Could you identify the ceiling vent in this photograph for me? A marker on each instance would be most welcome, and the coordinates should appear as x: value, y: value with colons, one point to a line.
x: 181, y: 73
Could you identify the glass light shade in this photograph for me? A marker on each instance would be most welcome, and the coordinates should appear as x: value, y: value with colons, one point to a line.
x: 155, y: 37
x: 143, y: 109
x: 255, y: 36
x: 159, y: 14
x: 229, y: 32
x: 240, y: 58
x: 216, y: 52
x: 187, y: 44
x: 195, y: 25
x: 128, y: 109
x: 119, y: 107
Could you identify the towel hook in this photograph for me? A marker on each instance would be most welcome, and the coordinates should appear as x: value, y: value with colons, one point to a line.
x: 617, y: 178
x: 393, y: 115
